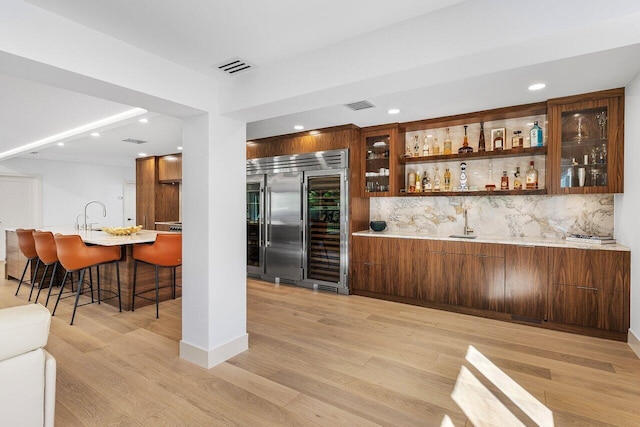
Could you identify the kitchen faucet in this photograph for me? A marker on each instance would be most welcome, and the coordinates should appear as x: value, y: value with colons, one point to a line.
x: 467, y: 230
x: 104, y: 211
x: 77, y: 226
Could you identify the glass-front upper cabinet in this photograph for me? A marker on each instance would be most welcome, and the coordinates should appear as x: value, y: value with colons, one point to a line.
x: 588, y: 149
x: 380, y: 160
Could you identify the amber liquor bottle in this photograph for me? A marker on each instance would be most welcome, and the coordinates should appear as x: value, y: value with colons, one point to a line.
x: 465, y: 144
x: 481, y: 143
x: 531, y: 177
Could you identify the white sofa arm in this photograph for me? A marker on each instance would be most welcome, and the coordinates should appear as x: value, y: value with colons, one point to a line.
x: 22, y: 329
x: 49, y: 389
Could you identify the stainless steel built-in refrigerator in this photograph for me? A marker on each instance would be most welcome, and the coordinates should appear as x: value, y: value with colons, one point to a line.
x: 297, y: 219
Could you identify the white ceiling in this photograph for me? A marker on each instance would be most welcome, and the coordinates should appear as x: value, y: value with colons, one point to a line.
x: 428, y: 58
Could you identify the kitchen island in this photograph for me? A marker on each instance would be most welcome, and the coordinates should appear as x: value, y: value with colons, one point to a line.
x: 15, y: 263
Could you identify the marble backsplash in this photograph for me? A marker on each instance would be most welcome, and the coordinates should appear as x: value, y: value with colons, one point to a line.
x: 499, y: 215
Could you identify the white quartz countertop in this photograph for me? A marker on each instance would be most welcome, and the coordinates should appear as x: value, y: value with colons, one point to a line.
x: 104, y: 239
x: 505, y: 240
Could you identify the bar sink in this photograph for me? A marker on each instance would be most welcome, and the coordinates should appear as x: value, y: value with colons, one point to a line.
x: 462, y: 236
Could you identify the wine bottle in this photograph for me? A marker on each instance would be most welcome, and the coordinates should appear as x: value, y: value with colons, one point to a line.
x: 447, y: 142
x: 481, y: 143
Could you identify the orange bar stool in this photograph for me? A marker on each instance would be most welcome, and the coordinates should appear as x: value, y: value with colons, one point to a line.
x: 166, y: 251
x: 48, y: 254
x: 28, y: 248
x: 74, y: 256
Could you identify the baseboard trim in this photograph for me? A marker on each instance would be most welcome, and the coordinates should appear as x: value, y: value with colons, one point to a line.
x: 634, y: 343
x: 210, y: 358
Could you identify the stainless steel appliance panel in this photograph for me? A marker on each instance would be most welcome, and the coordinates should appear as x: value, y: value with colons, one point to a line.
x: 255, y: 225
x: 283, y: 232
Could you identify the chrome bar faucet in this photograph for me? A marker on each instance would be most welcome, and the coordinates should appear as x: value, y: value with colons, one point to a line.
x: 104, y: 211
x: 467, y: 230
x: 77, y: 226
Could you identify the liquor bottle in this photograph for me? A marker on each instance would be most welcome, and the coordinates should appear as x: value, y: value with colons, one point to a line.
x: 416, y: 146
x: 447, y: 180
x: 436, y: 181
x: 425, y: 182
x: 517, y: 182
x: 447, y: 142
x: 481, y: 143
x: 498, y: 141
x: 436, y: 146
x: 536, y: 135
x: 504, y: 182
x: 465, y: 143
x: 418, y: 183
x: 517, y: 141
x: 411, y: 182
x: 531, y: 177
x: 425, y: 147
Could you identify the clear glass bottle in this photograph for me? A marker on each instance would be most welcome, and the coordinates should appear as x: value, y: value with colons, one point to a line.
x: 447, y: 142
x: 517, y: 181
x: 411, y: 182
x: 504, y: 182
x: 436, y: 180
x: 531, y: 177
x: 416, y: 146
x: 536, y: 135
x: 447, y: 180
x: 425, y: 147
x: 481, y: 142
x: 465, y: 143
x: 436, y: 146
x: 418, y: 182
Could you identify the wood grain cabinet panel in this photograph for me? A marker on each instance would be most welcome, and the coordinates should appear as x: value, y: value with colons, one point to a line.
x: 435, y: 278
x: 526, y: 278
x: 481, y: 281
x: 370, y: 256
x: 590, y: 288
x: 170, y: 168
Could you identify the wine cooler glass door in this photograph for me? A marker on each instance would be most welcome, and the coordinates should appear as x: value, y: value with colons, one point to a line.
x: 325, y: 221
x: 255, y: 210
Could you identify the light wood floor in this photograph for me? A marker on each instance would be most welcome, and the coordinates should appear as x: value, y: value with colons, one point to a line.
x: 321, y: 359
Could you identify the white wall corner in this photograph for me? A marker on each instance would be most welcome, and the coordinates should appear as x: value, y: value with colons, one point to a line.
x: 210, y: 358
x: 634, y: 342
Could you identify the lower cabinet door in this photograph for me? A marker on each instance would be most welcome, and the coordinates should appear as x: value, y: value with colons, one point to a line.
x: 481, y: 281
x: 526, y: 275
x: 368, y: 277
x: 575, y: 305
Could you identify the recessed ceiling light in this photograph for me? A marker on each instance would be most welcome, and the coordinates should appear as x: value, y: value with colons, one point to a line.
x: 180, y: 147
x: 393, y: 111
x: 142, y: 154
x: 298, y: 127
x: 95, y: 134
x: 537, y: 86
x: 60, y: 144
x: 143, y: 120
x: 314, y: 132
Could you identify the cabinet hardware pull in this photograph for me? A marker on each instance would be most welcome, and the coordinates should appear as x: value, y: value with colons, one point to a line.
x: 587, y: 288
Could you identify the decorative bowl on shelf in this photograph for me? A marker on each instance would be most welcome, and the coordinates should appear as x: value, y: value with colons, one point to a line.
x: 378, y: 225
x: 122, y: 231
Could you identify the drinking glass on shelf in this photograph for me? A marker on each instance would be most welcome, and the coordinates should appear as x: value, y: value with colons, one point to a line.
x: 602, y: 123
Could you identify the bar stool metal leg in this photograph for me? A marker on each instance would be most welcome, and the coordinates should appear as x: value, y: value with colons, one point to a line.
x: 64, y: 280
x: 118, y: 280
x: 80, y: 284
x: 33, y: 277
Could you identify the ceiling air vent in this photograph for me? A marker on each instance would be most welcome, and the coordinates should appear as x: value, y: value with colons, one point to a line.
x: 234, y: 66
x: 360, y: 105
x: 134, y: 141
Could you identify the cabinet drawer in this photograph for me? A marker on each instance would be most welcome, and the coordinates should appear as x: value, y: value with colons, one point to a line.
x: 599, y: 269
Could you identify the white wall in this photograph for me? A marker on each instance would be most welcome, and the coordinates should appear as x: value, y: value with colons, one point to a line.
x: 77, y: 58
x: 627, y: 205
x: 68, y: 186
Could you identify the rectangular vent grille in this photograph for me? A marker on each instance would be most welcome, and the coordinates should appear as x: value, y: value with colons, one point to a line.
x: 360, y: 105
x: 234, y: 66
x: 134, y: 141
x: 322, y: 160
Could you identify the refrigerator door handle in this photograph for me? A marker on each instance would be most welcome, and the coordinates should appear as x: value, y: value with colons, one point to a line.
x: 268, y: 218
